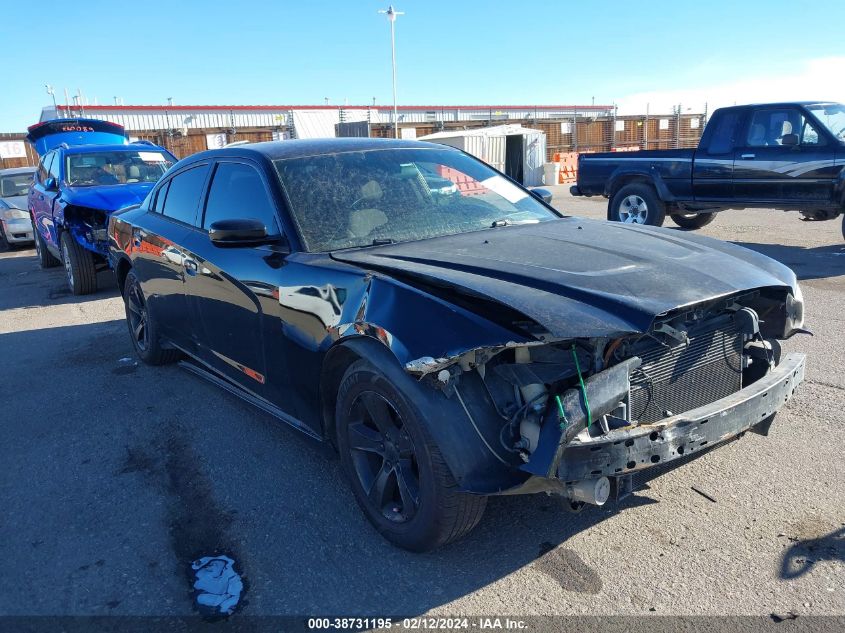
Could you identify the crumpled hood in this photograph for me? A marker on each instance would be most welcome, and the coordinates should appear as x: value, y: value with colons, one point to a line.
x: 578, y: 277
x: 108, y: 198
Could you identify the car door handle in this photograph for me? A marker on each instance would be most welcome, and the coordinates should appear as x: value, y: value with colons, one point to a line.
x: 190, y: 266
x: 748, y: 156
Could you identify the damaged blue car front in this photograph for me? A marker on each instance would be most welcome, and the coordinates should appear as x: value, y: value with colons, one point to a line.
x: 88, y: 170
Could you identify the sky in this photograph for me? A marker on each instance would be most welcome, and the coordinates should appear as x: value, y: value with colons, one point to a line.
x: 636, y: 54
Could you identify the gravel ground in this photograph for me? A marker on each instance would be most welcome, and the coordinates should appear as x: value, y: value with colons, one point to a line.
x: 115, y: 475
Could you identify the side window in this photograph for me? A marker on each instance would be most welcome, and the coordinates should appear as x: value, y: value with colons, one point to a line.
x: 55, y: 167
x: 722, y: 140
x: 158, y: 199
x: 43, y: 167
x: 768, y: 127
x: 183, y: 194
x: 237, y: 191
x: 809, y: 134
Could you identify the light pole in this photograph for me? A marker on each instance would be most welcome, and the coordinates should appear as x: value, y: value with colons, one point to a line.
x: 52, y: 93
x: 391, y: 15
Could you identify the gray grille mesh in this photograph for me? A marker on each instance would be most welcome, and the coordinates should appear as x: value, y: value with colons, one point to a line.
x: 686, y: 377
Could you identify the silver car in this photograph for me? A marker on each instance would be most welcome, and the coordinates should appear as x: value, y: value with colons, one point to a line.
x: 15, y: 223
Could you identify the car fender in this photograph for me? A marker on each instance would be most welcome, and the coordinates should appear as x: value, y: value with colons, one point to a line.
x: 463, y: 424
x: 648, y: 174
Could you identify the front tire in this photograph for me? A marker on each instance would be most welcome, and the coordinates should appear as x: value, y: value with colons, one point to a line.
x: 395, y: 468
x: 143, y: 330
x: 692, y: 221
x: 843, y: 226
x: 636, y: 204
x: 79, y: 266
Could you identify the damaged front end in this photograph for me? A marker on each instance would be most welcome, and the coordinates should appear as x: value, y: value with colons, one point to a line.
x: 88, y: 226
x: 578, y: 417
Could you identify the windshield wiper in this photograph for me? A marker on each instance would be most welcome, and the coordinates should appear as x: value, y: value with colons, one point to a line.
x: 509, y: 222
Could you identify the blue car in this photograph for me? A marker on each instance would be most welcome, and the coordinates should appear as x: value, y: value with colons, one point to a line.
x: 88, y: 170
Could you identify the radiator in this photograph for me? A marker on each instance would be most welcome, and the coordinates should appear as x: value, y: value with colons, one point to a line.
x: 688, y: 376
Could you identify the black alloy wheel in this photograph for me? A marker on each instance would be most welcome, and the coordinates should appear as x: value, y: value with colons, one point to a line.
x: 142, y: 326
x: 394, y: 467
x: 383, y: 457
x: 136, y: 315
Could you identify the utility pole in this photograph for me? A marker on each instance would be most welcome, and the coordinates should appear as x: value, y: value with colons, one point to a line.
x: 391, y: 14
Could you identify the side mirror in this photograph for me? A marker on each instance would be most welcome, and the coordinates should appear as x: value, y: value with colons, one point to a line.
x: 238, y: 232
x: 50, y: 184
x: 789, y: 140
x: 543, y: 194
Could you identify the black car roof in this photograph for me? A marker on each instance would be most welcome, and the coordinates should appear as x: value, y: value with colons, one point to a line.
x: 778, y: 104
x: 274, y: 150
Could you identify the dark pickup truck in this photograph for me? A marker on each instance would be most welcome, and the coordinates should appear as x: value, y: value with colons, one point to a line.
x: 786, y: 156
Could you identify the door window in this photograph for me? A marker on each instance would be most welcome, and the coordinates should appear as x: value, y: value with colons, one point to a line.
x: 54, y: 169
x: 183, y: 194
x: 237, y: 191
x: 768, y: 127
x: 43, y: 167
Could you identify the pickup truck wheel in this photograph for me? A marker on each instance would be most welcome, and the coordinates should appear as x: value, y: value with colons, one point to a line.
x: 45, y: 257
x: 636, y: 204
x: 142, y: 327
x: 395, y: 468
x: 692, y: 221
x: 79, y: 266
x: 843, y: 226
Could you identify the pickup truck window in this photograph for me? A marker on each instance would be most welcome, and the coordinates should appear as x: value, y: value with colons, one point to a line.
x: 768, y: 127
x: 724, y: 133
x: 832, y: 116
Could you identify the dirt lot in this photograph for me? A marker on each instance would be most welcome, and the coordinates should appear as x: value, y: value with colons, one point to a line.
x: 114, y: 476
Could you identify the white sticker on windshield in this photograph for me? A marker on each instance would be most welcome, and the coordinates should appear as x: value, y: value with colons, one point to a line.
x: 151, y: 157
x: 505, y: 188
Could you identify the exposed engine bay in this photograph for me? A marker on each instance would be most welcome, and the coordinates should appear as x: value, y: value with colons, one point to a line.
x: 552, y: 399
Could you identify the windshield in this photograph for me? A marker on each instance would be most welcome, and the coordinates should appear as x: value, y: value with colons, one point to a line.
x: 382, y: 196
x: 15, y: 185
x: 832, y: 116
x: 115, y: 168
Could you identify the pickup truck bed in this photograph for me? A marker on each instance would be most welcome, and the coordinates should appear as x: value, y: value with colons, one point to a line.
x: 787, y: 156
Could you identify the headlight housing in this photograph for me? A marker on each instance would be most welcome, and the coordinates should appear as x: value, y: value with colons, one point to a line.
x: 14, y: 214
x: 794, y: 311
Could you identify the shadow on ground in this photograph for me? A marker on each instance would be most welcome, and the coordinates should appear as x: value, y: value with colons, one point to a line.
x: 37, y: 287
x: 818, y: 262
x: 804, y: 553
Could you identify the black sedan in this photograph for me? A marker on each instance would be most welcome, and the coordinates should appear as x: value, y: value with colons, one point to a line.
x: 451, y: 344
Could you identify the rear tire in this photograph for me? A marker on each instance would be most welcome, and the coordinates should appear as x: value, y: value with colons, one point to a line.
x: 45, y: 257
x: 636, y: 204
x: 843, y: 226
x: 395, y: 468
x: 79, y: 266
x: 692, y: 221
x: 143, y: 331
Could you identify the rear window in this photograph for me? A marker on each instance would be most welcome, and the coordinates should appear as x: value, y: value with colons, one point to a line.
x: 15, y: 185
x: 722, y: 139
